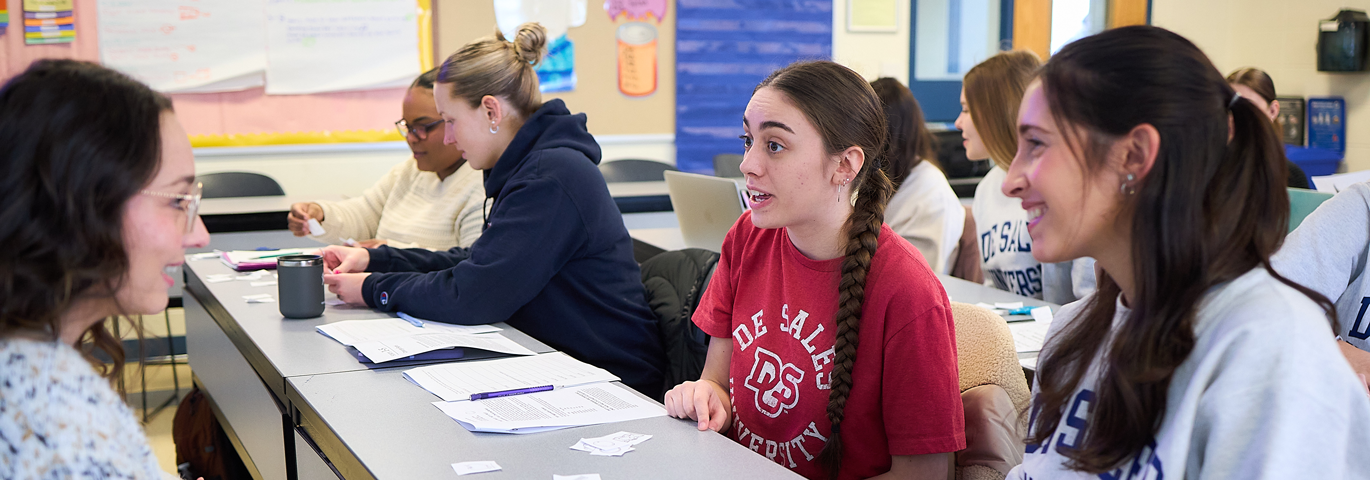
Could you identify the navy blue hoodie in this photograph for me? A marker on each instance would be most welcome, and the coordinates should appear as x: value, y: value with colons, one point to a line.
x: 555, y: 260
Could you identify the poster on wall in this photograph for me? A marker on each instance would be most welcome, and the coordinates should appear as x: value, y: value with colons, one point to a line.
x: 637, y: 59
x: 49, y: 21
x: 315, y: 46
x: 557, y: 71
x: 636, y: 9
x: 185, y: 46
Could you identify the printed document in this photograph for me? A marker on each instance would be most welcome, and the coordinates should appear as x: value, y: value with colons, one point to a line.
x: 455, y: 382
x: 592, y: 404
x: 399, y: 347
x: 352, y: 332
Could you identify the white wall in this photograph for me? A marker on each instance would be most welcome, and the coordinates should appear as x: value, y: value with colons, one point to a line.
x: 1280, y: 37
x: 872, y: 54
x: 329, y: 170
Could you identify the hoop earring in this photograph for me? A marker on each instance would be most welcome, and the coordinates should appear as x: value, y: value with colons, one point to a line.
x: 1127, y: 189
x: 494, y: 128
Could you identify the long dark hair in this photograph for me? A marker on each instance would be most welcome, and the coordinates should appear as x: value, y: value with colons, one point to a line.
x: 1258, y: 81
x: 910, y: 142
x: 847, y: 113
x: 80, y: 141
x: 1208, y: 211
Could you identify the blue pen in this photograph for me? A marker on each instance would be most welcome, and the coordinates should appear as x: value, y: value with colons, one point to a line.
x: 1021, y: 311
x: 516, y: 391
x: 412, y: 321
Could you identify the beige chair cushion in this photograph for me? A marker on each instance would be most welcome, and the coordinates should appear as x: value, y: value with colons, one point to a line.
x: 994, y: 392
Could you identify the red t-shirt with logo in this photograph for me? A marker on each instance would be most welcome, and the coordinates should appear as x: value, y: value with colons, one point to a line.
x: 779, y: 308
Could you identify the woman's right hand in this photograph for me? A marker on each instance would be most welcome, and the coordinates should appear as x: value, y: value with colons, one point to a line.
x: 300, y: 213
x: 340, y: 259
x: 702, y: 401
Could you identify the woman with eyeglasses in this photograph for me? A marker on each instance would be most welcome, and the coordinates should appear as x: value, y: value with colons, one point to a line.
x: 431, y: 201
x: 97, y: 206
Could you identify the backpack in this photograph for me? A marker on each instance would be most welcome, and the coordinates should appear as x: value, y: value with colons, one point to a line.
x: 675, y: 281
x: 202, y: 447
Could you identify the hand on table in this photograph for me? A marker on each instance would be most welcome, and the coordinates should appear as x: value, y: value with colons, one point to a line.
x: 300, y: 213
x: 339, y: 259
x: 347, y: 286
x: 699, y: 401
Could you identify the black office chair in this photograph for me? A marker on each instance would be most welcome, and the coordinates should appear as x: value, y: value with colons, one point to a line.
x: 633, y: 170
x: 728, y: 165
x: 239, y: 184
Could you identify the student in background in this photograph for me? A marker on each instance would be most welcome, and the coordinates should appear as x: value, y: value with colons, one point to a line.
x: 924, y: 210
x: 832, y: 341
x: 433, y: 200
x: 1328, y: 253
x: 1193, y: 359
x: 97, y: 204
x: 990, y: 96
x: 1257, y: 87
x: 555, y: 260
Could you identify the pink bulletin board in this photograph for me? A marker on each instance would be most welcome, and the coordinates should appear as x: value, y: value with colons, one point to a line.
x: 248, y: 117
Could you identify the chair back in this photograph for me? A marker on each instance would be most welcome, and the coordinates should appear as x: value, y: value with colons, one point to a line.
x: 728, y: 165
x: 634, y: 170
x: 994, y: 392
x: 239, y: 184
x: 1303, y: 202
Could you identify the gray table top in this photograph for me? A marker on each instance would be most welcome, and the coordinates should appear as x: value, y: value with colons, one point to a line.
x: 393, y: 431
x: 277, y: 347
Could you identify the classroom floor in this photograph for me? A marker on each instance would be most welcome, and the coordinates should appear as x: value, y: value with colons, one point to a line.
x: 160, y: 385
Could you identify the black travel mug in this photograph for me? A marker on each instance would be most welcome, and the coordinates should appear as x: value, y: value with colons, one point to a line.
x: 300, y: 285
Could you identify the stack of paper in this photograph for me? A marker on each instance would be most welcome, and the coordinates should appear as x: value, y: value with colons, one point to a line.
x: 1030, y: 336
x: 592, y: 404
x: 387, y: 349
x: 352, y: 332
x: 48, y: 21
x: 613, y: 445
x: 243, y: 260
x: 455, y: 382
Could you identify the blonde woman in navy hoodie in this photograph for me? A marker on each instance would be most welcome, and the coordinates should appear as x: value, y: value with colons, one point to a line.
x: 555, y: 260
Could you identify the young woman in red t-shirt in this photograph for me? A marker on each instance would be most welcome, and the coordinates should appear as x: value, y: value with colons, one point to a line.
x: 833, y: 350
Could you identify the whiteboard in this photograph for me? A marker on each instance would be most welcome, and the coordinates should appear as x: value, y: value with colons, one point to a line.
x: 339, y: 45
x: 185, y: 46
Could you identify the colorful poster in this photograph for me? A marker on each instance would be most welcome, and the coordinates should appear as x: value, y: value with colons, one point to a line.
x: 315, y: 46
x: 48, y: 21
x: 186, y: 46
x: 636, y: 9
x: 557, y: 72
x: 637, y: 59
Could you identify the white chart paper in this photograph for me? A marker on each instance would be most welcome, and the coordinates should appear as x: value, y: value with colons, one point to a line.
x: 318, y: 46
x: 185, y: 45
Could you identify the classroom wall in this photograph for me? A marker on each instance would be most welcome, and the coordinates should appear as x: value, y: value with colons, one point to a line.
x: 872, y: 54
x: 1280, y: 37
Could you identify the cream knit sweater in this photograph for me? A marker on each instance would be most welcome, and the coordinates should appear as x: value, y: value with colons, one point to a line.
x: 411, y: 208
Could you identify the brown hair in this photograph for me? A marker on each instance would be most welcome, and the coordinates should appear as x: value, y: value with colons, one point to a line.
x: 1208, y: 211
x: 498, y: 67
x: 847, y: 113
x: 1258, y: 81
x: 994, y: 89
x: 80, y: 141
x: 910, y: 142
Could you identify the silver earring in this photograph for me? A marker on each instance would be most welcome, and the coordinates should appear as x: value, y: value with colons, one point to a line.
x: 1126, y: 188
x: 494, y: 128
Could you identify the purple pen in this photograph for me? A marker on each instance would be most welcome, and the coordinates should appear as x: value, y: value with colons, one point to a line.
x: 507, y: 393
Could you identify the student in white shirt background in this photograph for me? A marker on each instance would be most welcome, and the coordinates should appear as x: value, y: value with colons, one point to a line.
x: 432, y: 200
x: 1328, y: 253
x: 924, y: 209
x: 1193, y: 359
x: 990, y: 96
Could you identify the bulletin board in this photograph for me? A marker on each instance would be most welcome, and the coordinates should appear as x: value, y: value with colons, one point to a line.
x: 597, y: 94
x: 247, y: 117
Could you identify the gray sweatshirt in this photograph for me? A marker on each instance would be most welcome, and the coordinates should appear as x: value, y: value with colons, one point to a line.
x: 1265, y: 394
x: 1327, y: 253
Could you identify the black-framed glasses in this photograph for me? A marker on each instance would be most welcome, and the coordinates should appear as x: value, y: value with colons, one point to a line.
x: 190, y: 202
x: 421, y: 130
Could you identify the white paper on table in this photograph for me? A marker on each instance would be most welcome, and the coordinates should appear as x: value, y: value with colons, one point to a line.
x: 352, y: 332
x: 1028, y: 336
x: 593, y: 404
x: 315, y: 46
x: 1028, y: 363
x: 178, y: 46
x: 583, y: 476
x: 399, y: 347
x: 240, y: 256
x: 1041, y: 314
x: 467, y: 468
x: 612, y: 445
x: 333, y: 302
x: 1008, y: 305
x: 454, y: 382
x: 1339, y: 182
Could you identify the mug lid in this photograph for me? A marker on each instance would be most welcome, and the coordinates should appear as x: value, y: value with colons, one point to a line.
x: 299, y: 261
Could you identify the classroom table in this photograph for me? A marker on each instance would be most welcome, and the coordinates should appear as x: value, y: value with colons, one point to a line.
x: 637, y: 197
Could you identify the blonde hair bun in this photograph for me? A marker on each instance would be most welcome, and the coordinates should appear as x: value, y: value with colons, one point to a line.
x: 530, y: 43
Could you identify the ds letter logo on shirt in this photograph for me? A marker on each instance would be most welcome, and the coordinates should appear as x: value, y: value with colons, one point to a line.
x: 774, y: 383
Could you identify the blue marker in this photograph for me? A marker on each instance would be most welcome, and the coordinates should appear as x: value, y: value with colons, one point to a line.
x: 410, y: 318
x: 508, y: 393
x: 1016, y: 311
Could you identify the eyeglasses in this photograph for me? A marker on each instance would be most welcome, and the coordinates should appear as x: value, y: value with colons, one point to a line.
x: 190, y: 203
x: 420, y: 131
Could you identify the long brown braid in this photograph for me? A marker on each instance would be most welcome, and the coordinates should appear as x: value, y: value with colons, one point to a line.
x: 847, y: 113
